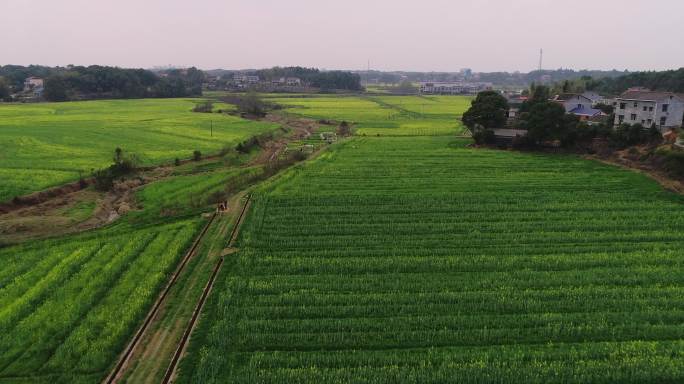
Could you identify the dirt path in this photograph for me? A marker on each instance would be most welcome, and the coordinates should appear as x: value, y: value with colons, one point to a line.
x: 171, y: 371
x: 164, y: 339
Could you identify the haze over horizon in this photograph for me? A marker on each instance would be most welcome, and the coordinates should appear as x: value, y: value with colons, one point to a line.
x: 430, y: 35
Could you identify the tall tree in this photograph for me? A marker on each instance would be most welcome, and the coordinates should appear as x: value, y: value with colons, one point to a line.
x: 4, y: 89
x: 488, y: 110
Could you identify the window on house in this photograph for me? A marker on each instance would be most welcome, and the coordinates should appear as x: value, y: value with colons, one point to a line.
x: 649, y: 122
x: 650, y: 109
x: 623, y: 105
x: 636, y: 104
x: 663, y: 121
x: 665, y: 107
x: 621, y: 118
x: 633, y: 117
x: 643, y: 121
x: 645, y: 108
x: 579, y: 105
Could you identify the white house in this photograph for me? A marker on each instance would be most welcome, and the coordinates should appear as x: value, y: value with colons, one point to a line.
x: 245, y: 79
x: 33, y: 82
x: 572, y: 101
x: 293, y: 81
x: 646, y: 107
x: 579, y: 105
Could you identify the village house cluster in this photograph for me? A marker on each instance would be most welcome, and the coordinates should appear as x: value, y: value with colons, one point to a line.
x: 454, y: 88
x: 634, y: 106
x: 241, y: 81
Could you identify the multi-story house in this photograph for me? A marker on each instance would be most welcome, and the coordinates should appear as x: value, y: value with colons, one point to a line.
x: 32, y: 82
x: 579, y: 105
x: 646, y: 107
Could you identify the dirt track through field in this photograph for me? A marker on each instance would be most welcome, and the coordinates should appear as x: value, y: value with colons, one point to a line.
x: 115, y: 375
x: 182, y: 346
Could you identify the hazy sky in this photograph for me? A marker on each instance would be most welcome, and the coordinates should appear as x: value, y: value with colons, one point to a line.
x: 424, y: 35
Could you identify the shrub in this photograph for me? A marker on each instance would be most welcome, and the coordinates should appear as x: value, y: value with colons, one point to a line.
x: 122, y: 166
x: 197, y: 155
x: 483, y: 136
x: 205, y: 107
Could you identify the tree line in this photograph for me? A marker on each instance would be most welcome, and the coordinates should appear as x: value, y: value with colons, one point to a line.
x: 328, y: 80
x: 667, y: 81
x: 93, y: 82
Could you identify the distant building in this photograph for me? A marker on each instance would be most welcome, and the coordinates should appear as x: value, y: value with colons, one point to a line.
x: 572, y: 101
x: 245, y: 79
x: 293, y: 81
x: 33, y: 82
x: 458, y: 88
x: 505, y: 136
x: 646, y: 107
x: 579, y: 105
x: 515, y: 102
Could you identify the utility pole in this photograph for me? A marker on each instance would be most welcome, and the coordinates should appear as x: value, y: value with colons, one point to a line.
x: 541, y: 58
x: 368, y: 73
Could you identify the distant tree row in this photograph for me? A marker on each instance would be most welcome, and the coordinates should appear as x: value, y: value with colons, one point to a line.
x: 77, y: 82
x: 328, y: 80
x: 671, y: 81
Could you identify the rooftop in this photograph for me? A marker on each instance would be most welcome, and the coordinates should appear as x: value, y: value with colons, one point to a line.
x: 648, y: 95
x: 590, y: 112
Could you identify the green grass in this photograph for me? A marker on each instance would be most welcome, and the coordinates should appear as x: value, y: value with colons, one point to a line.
x: 386, y: 115
x: 48, y: 144
x: 417, y: 260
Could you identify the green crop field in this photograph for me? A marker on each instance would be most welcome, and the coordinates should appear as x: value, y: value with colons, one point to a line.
x: 69, y: 305
x: 386, y: 115
x: 48, y: 144
x: 418, y: 260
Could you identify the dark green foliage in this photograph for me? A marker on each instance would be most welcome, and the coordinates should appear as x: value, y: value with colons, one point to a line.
x: 547, y: 121
x: 56, y: 88
x: 252, y: 104
x: 626, y: 135
x: 197, y: 155
x: 330, y: 80
x: 254, y: 142
x: 488, y: 110
x: 538, y: 94
x: 93, y: 82
x: 122, y: 166
x: 483, y: 136
x: 4, y: 89
x: 177, y: 162
x: 204, y: 107
x: 674, y: 161
x: 672, y: 81
x: 344, y: 129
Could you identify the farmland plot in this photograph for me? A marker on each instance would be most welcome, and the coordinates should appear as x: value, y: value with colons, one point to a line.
x: 48, y: 144
x: 69, y: 305
x: 417, y: 260
x: 386, y: 115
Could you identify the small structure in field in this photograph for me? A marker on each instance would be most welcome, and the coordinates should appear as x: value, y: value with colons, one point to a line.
x: 329, y: 136
x: 222, y: 207
x: 307, y: 148
x: 505, y: 136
